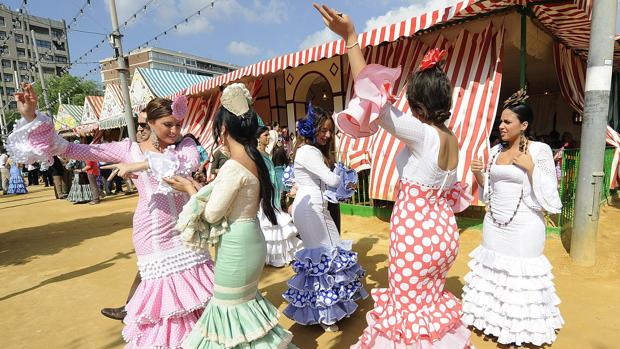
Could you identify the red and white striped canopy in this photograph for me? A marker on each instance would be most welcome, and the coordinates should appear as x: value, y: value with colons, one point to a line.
x: 568, y: 21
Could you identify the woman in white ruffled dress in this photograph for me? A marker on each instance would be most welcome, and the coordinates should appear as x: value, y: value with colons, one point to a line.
x: 281, y: 239
x: 509, y: 291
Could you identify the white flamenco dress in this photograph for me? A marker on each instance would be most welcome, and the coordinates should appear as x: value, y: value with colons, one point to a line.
x: 509, y: 291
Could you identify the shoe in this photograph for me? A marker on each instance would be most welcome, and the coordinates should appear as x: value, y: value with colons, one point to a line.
x: 330, y: 328
x: 93, y: 202
x: 114, y: 313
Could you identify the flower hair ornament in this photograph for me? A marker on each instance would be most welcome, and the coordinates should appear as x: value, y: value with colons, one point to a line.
x: 236, y: 99
x: 432, y: 58
x: 179, y: 107
x: 305, y: 127
x: 517, y: 98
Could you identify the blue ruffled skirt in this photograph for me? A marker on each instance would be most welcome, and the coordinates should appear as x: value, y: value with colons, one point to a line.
x: 326, y: 286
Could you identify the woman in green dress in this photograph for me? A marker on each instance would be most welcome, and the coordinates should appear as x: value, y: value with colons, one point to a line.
x: 237, y: 316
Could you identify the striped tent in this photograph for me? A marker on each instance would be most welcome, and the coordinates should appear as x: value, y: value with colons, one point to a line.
x: 112, y: 110
x: 67, y: 118
x: 91, y: 113
x: 147, y: 84
x: 475, y: 66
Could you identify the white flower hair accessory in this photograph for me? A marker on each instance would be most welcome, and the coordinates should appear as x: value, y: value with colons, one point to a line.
x: 179, y: 107
x: 236, y: 99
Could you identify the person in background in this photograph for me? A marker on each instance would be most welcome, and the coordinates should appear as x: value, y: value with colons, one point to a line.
x: 4, y: 172
x: 46, y: 175
x: 57, y: 171
x: 567, y: 141
x: 274, y: 134
x: 16, y: 182
x: 286, y: 139
x: 92, y: 171
x: 219, y: 158
x: 33, y: 174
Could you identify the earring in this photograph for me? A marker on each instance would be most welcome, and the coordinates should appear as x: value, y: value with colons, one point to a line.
x: 155, y: 141
x: 522, y: 142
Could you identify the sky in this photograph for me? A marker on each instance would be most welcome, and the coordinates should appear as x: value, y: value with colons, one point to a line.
x: 240, y: 32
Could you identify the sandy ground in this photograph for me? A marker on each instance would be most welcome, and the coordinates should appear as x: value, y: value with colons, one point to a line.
x: 60, y: 263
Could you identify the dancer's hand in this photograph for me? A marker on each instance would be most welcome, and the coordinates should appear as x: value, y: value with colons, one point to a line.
x: 477, y: 166
x: 352, y: 186
x: 27, y: 102
x: 124, y: 170
x: 181, y: 184
x: 524, y: 161
x: 337, y: 22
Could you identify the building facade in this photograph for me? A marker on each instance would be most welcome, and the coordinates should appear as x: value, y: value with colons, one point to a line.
x: 17, y: 52
x: 163, y: 59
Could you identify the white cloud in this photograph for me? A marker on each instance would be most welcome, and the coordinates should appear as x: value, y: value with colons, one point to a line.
x: 317, y: 38
x: 126, y: 8
x: 241, y: 48
x: 195, y: 25
x: 405, y: 12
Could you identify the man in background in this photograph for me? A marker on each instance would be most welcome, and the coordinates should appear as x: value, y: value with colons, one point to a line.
x: 4, y: 172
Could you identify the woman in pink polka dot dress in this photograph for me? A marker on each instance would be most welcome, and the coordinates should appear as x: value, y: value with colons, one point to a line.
x: 414, y: 311
x: 176, y: 282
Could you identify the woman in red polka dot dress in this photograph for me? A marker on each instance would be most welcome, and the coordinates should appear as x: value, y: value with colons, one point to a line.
x: 414, y: 311
x: 177, y: 282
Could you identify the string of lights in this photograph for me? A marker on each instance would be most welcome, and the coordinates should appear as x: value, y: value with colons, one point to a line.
x: 174, y: 27
x: 78, y: 15
x: 134, y: 16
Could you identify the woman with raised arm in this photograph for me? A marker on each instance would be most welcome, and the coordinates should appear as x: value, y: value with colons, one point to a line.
x: 508, y: 292
x: 176, y: 282
x: 414, y: 311
x: 237, y: 316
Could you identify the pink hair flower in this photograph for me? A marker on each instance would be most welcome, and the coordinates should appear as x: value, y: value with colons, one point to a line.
x: 179, y: 107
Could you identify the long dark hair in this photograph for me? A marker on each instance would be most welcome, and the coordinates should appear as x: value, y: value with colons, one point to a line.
x: 430, y: 94
x: 243, y: 130
x: 320, y: 117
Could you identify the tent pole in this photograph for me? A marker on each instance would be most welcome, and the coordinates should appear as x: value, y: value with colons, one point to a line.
x: 596, y: 107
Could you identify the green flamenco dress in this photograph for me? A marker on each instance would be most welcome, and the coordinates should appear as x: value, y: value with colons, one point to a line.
x: 237, y: 316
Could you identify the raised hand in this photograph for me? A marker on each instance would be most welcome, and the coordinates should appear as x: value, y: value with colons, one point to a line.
x: 181, y: 184
x: 337, y: 22
x: 524, y: 161
x: 26, y: 102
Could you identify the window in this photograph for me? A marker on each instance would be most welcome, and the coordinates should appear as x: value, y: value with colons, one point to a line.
x: 49, y: 71
x: 17, y: 24
x: 21, y: 52
x: 39, y: 30
x: 22, y: 65
x: 58, y: 33
x: 6, y: 63
x: 44, y: 43
x: 2, y: 22
x: 190, y: 62
x: 48, y: 58
x: 12, y: 104
x: 2, y: 34
x: 10, y: 91
x: 8, y: 78
x: 19, y: 38
x: 59, y: 45
x: 25, y: 78
x: 61, y: 59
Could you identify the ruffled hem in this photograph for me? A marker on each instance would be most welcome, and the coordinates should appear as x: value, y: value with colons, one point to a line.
x: 171, y: 296
x: 430, y: 322
x: 326, y: 286
x: 511, y: 298
x: 457, y: 337
x: 281, y: 253
x: 168, y: 333
x: 17, y: 187
x: 254, y: 322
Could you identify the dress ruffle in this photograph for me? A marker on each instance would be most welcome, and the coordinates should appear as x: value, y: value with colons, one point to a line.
x: 253, y: 324
x: 281, y: 239
x: 35, y: 141
x: 511, y: 298
x: 326, y: 286
x: 163, y: 311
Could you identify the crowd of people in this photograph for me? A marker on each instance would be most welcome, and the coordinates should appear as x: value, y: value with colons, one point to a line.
x: 182, y: 298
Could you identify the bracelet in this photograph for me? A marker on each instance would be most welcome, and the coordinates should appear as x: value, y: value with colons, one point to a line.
x: 352, y: 46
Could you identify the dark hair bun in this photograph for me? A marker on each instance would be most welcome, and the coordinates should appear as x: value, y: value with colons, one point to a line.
x: 430, y: 94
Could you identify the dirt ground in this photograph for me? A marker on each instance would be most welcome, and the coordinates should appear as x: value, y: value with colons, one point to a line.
x: 60, y: 263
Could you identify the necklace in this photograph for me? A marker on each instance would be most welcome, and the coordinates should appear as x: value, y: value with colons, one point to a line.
x: 495, y: 221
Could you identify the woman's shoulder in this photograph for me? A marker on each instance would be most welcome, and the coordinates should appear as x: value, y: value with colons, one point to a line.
x: 539, y: 148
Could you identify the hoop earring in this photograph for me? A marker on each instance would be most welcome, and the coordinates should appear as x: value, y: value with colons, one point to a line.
x: 155, y: 141
x: 522, y: 142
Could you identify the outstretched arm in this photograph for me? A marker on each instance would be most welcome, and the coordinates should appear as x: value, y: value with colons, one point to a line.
x: 342, y: 25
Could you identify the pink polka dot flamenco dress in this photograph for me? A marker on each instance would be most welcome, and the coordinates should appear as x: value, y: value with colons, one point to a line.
x: 414, y: 311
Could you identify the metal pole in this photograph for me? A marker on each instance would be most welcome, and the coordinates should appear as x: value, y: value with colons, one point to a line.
x: 523, y: 49
x: 16, y: 80
x: 5, y: 127
x: 41, y: 78
x: 122, y: 70
x: 596, y: 108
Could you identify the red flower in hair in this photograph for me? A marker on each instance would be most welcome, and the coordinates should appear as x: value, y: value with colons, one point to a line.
x: 431, y: 58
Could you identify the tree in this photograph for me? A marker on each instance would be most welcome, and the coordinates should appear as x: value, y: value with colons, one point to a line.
x: 70, y: 88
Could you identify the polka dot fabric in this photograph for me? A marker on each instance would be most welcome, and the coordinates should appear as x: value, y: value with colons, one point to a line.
x: 424, y: 242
